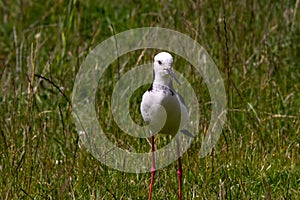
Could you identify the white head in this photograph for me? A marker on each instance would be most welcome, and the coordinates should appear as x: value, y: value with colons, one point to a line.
x: 163, y: 68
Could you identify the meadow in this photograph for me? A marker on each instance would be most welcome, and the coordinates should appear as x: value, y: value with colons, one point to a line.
x: 256, y: 46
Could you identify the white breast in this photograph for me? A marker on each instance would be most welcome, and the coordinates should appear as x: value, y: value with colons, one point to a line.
x: 164, y: 112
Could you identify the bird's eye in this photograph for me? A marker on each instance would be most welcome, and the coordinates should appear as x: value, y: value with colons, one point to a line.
x: 159, y: 62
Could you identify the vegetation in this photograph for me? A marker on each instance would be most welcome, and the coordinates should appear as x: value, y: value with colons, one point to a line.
x: 255, y: 44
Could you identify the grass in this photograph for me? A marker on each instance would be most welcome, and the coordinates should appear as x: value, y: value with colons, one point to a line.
x: 255, y: 44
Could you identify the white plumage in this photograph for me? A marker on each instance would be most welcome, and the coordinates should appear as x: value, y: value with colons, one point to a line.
x: 164, y: 110
x: 162, y: 107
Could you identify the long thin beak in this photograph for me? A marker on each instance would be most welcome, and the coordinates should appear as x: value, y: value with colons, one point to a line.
x: 171, y: 73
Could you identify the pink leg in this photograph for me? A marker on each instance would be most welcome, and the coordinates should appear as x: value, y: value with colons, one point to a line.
x: 179, y: 172
x: 152, y: 168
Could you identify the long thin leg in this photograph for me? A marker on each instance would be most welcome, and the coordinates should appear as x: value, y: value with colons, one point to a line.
x: 152, y: 167
x: 179, y: 171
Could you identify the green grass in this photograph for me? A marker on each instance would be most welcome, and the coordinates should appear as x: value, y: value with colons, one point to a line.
x: 255, y: 44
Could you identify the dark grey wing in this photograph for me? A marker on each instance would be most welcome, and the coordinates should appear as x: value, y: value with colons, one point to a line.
x: 181, y: 99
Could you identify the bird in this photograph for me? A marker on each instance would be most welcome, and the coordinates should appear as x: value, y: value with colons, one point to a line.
x: 164, y: 110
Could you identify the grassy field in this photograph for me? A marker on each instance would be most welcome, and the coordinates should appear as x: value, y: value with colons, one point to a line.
x: 255, y: 44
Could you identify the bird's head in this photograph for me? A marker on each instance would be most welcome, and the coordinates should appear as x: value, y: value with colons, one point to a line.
x: 163, y: 66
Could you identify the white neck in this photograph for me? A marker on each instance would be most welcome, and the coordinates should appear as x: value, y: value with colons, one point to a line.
x: 161, y: 77
x: 162, y: 80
